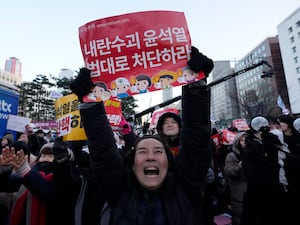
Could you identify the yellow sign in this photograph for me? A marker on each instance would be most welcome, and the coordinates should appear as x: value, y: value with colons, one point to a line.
x: 68, y: 120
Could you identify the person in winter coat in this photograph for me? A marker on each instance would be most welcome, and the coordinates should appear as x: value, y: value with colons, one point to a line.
x: 168, y: 127
x: 290, y: 134
x: 150, y: 188
x: 235, y: 176
x: 31, y: 139
x: 42, y: 196
x: 264, y: 202
x: 6, y: 199
x: 291, y: 137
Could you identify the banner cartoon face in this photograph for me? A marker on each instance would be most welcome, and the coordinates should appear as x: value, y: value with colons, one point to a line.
x: 137, y: 53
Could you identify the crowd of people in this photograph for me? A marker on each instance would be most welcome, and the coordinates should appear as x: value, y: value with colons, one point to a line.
x: 178, y: 175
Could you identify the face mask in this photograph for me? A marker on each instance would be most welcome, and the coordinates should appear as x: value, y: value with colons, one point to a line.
x: 46, y: 167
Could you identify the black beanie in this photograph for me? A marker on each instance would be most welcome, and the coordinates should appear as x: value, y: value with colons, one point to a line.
x: 162, y: 119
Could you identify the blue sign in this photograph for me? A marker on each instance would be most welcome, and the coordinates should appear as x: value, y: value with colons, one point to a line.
x: 9, y: 101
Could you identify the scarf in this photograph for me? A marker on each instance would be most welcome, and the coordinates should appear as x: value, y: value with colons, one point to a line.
x: 281, y: 156
x: 34, y: 208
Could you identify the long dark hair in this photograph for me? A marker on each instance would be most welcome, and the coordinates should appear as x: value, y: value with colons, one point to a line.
x: 131, y: 154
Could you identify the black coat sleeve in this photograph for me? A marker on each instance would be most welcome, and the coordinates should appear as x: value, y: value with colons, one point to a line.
x: 107, y: 165
x: 194, y: 158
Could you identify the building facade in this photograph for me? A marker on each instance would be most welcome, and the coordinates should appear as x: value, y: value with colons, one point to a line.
x: 224, y: 104
x: 14, y: 66
x: 12, y: 74
x: 289, y: 40
x: 10, y: 78
x: 259, y: 88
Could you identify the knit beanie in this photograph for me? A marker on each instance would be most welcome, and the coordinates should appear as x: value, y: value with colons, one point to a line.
x: 45, y: 149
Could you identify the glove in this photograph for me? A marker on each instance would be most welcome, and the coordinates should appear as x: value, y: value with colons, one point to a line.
x: 271, y: 144
x: 82, y: 84
x: 271, y: 139
x: 199, y: 62
x: 265, y: 131
x: 60, y: 151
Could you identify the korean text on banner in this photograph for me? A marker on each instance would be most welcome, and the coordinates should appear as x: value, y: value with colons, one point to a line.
x: 68, y: 122
x: 137, y: 52
x: 157, y: 114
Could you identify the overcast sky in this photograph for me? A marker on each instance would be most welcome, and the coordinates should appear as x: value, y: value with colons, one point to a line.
x: 43, y: 35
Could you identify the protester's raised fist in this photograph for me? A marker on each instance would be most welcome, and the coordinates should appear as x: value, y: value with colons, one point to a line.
x: 199, y: 62
x: 82, y: 84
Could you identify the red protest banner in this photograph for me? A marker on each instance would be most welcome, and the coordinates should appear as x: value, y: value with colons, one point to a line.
x: 240, y: 124
x: 137, y: 52
x: 157, y: 114
x: 228, y: 136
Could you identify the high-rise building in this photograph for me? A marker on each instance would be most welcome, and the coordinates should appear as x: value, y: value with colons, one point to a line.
x: 14, y: 66
x: 224, y: 104
x: 259, y: 88
x: 289, y: 40
x: 9, y: 78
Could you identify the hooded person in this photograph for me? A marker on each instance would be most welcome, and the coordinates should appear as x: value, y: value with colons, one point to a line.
x: 47, y: 192
x: 233, y: 172
x: 41, y: 136
x: 291, y: 163
x: 7, y: 140
x: 168, y: 127
x: 262, y: 171
x: 44, y: 160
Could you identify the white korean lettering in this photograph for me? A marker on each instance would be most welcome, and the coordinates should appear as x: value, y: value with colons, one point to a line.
x: 121, y: 63
x: 140, y: 60
x: 94, y: 67
x: 90, y: 49
x: 107, y: 65
x: 153, y: 58
x: 118, y: 43
x: 103, y: 46
x: 133, y: 40
x: 166, y: 35
x: 180, y: 34
x: 150, y: 38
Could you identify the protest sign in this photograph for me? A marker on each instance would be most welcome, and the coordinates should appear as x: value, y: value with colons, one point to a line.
x: 68, y: 122
x: 157, y: 114
x: 17, y: 123
x: 138, y: 52
x: 240, y: 124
